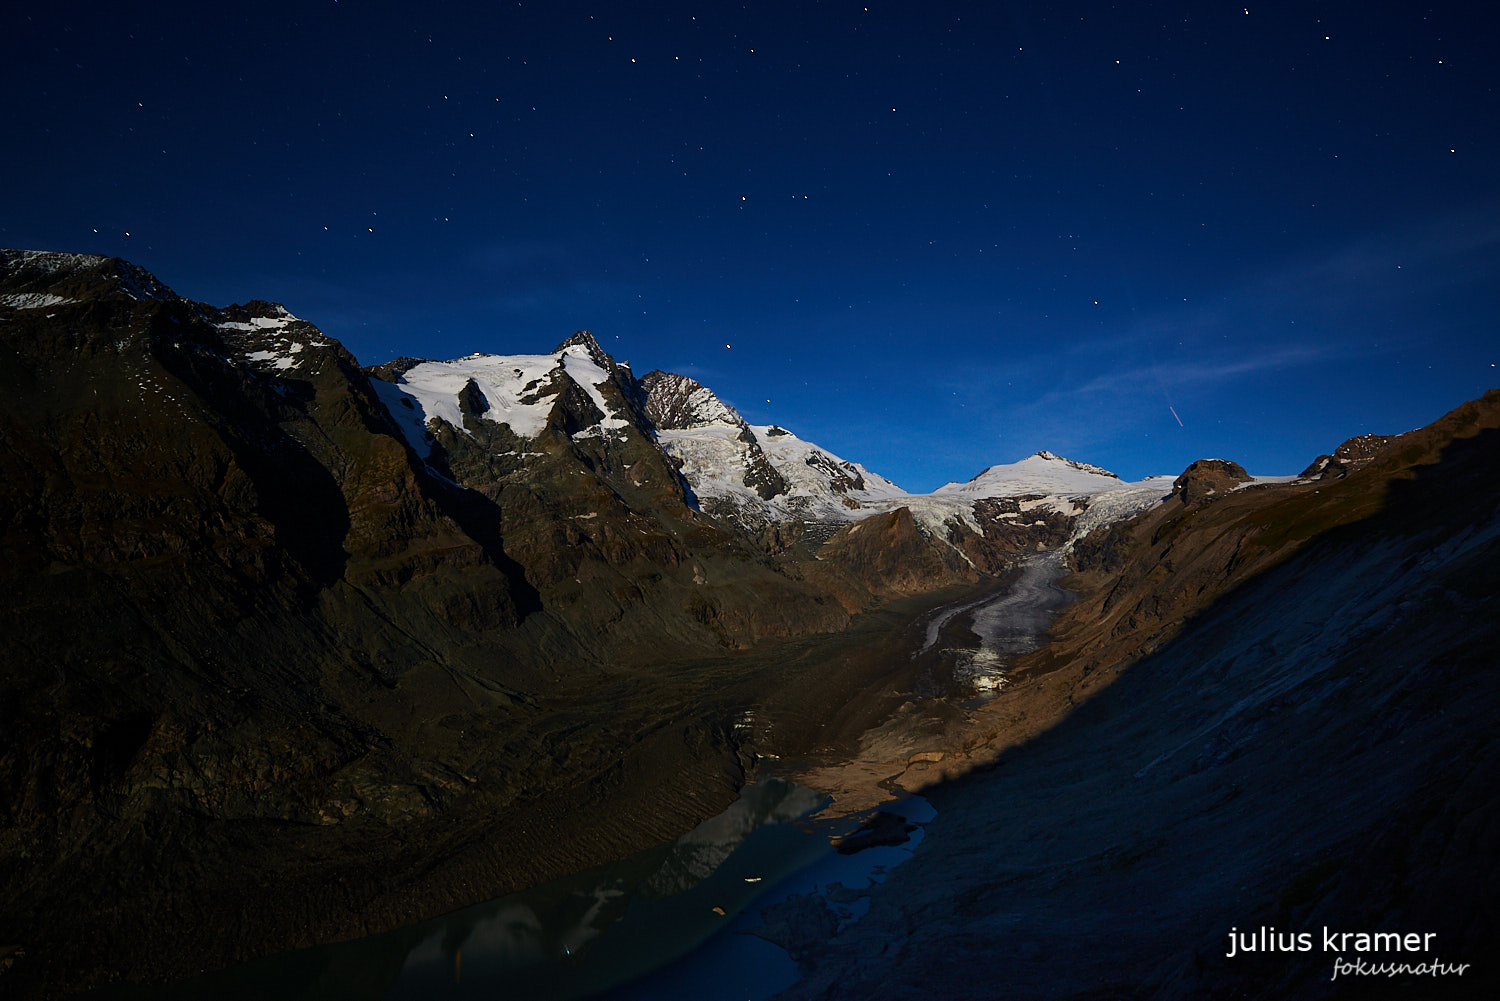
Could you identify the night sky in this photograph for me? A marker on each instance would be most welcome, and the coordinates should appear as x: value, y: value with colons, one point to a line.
x: 929, y: 237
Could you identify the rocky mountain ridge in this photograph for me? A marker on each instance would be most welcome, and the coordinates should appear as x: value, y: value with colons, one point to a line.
x: 252, y: 585
x: 749, y: 477
x: 298, y: 648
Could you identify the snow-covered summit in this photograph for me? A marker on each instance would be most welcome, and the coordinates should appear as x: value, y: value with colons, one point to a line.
x: 723, y: 464
x: 1074, y: 463
x: 1041, y: 473
x: 515, y: 390
x: 821, y: 486
x: 812, y: 470
x: 717, y: 452
x: 61, y: 278
x: 751, y: 475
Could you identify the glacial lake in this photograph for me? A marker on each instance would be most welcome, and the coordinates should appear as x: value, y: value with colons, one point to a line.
x: 670, y: 922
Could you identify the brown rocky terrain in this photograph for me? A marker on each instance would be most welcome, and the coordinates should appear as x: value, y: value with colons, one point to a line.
x: 1270, y: 707
x: 890, y: 552
x: 1140, y: 581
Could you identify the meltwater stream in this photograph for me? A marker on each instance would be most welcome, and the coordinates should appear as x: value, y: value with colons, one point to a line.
x: 673, y: 922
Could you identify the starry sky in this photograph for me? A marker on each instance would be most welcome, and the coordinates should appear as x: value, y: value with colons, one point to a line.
x: 930, y: 237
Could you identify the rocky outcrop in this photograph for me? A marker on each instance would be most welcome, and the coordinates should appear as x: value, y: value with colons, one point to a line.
x: 842, y: 477
x: 1207, y: 479
x: 678, y: 403
x: 1349, y: 456
x: 890, y: 554
x: 1009, y: 528
x: 1143, y: 578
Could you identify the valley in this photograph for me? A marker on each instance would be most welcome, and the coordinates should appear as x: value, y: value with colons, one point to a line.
x: 299, y: 651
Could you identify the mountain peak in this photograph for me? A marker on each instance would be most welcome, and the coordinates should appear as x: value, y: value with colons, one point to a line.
x: 32, y: 279
x: 677, y: 402
x: 1041, y: 472
x: 585, y: 340
x: 1083, y: 467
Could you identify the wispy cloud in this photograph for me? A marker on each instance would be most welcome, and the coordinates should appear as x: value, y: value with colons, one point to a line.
x: 1309, y: 309
x: 1196, y: 373
x: 1118, y: 402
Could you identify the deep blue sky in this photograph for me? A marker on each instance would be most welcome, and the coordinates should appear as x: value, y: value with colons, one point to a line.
x: 937, y: 236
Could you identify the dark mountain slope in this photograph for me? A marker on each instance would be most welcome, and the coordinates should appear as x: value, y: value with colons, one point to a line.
x: 272, y: 676
x: 1139, y: 580
x: 1315, y: 749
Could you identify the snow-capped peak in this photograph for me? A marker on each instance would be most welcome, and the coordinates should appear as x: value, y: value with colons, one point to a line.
x: 520, y: 390
x: 64, y: 277
x: 752, y: 475
x: 1041, y: 473
x: 1074, y: 463
x: 585, y: 341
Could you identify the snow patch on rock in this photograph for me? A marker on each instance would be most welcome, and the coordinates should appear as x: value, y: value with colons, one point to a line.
x: 33, y: 300
x: 520, y: 390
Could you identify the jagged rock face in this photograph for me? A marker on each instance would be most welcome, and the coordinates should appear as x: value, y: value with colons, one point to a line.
x: 1208, y: 478
x: 677, y: 403
x: 1009, y: 527
x: 760, y: 475
x: 584, y: 339
x: 36, y: 280
x: 842, y: 476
